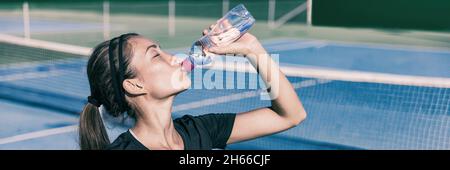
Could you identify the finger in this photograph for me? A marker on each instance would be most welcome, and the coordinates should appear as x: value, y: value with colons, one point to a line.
x: 222, y: 50
x: 205, y: 50
x: 230, y: 36
x: 206, y: 31
x: 216, y: 50
x: 226, y: 24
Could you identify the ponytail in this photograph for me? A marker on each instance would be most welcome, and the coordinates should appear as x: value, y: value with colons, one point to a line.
x: 106, y: 69
x: 92, y: 132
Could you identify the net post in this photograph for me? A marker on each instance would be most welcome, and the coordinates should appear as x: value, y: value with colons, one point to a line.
x: 26, y: 20
x: 225, y: 6
x: 171, y: 18
x: 271, y: 14
x: 309, y: 13
x: 106, y: 18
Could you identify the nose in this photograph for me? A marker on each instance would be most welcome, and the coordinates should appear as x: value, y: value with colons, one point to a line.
x: 169, y: 58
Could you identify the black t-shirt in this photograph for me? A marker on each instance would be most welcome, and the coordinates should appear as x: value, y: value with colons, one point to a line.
x: 202, y: 132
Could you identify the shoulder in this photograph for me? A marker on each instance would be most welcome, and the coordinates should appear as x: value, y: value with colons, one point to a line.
x: 126, y: 142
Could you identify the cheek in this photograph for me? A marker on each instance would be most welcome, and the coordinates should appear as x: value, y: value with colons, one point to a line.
x: 162, y: 81
x: 157, y: 79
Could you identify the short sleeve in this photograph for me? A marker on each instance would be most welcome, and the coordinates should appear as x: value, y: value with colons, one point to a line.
x: 218, y: 126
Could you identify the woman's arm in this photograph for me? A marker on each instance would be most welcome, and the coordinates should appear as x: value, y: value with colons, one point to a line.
x: 286, y: 110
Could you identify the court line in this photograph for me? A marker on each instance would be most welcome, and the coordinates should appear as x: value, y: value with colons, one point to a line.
x: 298, y: 45
x: 393, y: 47
x: 32, y: 75
x: 29, y: 64
x: 46, y: 45
x: 380, y: 46
x: 367, y: 77
x: 38, y: 134
x: 180, y: 107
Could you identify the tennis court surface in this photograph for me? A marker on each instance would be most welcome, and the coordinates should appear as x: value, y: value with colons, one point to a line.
x: 357, y: 95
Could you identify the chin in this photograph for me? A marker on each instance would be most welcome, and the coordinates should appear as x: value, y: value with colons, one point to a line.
x: 181, y: 91
x: 185, y: 88
x: 184, y: 85
x: 188, y: 83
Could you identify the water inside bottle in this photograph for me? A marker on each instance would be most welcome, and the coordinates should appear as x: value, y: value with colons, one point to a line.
x: 227, y: 30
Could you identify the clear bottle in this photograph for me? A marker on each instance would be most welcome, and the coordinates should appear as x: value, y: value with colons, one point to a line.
x: 227, y: 30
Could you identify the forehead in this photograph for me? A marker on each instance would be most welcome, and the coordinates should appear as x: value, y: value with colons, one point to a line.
x: 140, y: 44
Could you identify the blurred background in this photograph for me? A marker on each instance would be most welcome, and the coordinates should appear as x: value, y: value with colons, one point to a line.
x: 372, y: 74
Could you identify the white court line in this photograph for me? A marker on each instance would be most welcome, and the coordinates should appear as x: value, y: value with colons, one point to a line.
x: 32, y: 75
x: 392, y: 47
x: 29, y: 64
x: 369, y: 77
x: 381, y: 46
x: 46, y: 45
x: 181, y: 107
x: 38, y: 134
x: 298, y: 45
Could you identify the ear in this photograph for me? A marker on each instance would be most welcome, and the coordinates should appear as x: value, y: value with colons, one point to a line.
x: 134, y: 87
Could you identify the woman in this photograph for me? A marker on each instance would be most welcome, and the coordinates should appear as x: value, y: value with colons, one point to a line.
x: 132, y: 74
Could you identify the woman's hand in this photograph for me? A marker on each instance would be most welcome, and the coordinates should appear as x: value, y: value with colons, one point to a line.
x: 245, y: 45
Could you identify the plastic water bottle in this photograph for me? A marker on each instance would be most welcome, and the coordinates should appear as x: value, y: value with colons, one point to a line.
x: 227, y: 30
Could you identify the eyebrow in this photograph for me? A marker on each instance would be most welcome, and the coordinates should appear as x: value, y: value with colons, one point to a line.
x: 151, y: 46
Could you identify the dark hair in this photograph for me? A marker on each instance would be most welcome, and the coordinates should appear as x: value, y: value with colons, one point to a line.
x: 104, y: 89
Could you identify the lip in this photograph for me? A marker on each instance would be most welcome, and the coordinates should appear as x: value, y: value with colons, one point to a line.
x: 186, y: 65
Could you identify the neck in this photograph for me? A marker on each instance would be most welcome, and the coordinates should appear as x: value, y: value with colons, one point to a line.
x: 154, y: 125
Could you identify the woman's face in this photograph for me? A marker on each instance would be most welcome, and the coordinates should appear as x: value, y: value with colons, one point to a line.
x: 160, y: 73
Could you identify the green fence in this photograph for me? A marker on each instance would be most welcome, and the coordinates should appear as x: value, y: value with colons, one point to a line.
x: 405, y: 14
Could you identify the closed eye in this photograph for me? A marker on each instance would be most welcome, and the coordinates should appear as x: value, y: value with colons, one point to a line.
x: 151, y: 48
